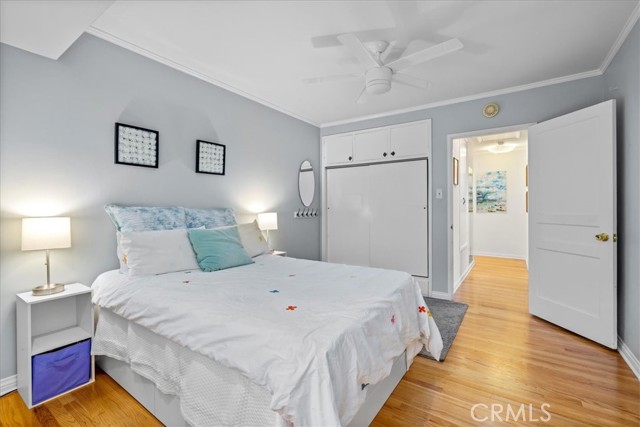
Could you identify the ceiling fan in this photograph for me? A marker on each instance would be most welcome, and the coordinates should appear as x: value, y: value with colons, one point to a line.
x: 379, y: 75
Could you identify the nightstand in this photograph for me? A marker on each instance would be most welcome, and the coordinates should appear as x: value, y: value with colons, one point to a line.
x: 54, y: 335
x: 279, y: 253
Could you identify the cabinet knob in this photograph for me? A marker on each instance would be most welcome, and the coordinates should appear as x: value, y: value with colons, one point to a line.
x: 393, y: 153
x: 350, y: 158
x: 384, y: 154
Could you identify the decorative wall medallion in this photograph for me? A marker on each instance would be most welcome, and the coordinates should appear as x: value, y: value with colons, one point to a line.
x: 490, y: 110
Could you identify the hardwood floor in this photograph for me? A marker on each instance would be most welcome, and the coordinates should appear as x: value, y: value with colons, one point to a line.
x: 103, y: 403
x: 501, y: 356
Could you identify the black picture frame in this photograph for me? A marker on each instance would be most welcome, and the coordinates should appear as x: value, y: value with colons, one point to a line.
x: 136, y: 146
x: 210, y: 157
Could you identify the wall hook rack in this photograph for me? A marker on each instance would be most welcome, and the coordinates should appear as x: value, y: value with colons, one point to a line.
x: 305, y: 213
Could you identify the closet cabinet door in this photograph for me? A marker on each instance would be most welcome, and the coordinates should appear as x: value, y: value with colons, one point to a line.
x: 410, y: 140
x: 338, y: 149
x: 399, y: 217
x: 371, y: 145
x: 347, y: 216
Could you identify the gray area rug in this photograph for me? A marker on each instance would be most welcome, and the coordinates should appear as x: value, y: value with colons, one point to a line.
x: 448, y: 316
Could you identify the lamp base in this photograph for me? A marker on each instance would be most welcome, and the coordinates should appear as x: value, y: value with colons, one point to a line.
x: 51, y: 288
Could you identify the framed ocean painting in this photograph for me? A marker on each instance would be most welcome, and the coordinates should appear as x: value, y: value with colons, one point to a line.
x: 491, y: 192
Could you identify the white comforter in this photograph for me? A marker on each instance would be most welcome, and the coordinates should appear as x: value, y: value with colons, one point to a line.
x: 312, y: 333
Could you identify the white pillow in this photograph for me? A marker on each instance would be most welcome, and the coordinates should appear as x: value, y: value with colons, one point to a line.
x: 156, y: 252
x: 252, y: 239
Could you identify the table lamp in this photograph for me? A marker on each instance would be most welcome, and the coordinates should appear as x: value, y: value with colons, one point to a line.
x: 45, y: 234
x: 268, y: 221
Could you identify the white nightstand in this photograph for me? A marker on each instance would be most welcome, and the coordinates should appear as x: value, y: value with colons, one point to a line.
x: 53, y: 330
x: 279, y: 253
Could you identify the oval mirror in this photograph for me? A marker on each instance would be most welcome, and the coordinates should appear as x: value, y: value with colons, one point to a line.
x: 306, y: 183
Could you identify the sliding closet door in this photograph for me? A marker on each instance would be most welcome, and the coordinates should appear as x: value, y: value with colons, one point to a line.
x: 347, y: 216
x: 399, y: 216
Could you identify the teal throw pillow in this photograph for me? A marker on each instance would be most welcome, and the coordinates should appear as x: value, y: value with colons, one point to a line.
x: 218, y: 249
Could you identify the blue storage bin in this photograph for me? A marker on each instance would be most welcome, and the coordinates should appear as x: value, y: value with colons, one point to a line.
x: 60, y: 370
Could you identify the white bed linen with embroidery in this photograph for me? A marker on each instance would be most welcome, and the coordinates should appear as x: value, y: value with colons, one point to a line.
x: 311, y: 333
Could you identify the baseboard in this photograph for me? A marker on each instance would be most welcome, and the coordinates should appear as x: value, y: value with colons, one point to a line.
x: 440, y: 295
x: 8, y: 384
x: 498, y: 255
x: 464, y: 276
x: 629, y: 357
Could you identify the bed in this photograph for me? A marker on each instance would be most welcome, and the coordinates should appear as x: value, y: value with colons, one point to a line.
x: 278, y: 341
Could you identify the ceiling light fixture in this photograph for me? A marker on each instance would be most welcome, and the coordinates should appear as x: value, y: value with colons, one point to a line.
x: 501, y: 148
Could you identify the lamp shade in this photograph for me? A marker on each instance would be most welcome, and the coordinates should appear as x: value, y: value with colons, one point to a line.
x: 268, y: 221
x: 46, y: 233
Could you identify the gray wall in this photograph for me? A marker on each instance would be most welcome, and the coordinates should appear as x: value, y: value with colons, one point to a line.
x: 56, y: 158
x: 517, y: 108
x: 622, y: 82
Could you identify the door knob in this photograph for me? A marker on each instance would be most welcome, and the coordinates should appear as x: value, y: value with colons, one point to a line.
x: 603, y: 237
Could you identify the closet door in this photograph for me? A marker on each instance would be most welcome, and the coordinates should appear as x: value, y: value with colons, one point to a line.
x: 399, y: 216
x: 347, y: 216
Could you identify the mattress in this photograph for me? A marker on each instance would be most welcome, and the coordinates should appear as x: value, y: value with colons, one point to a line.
x: 312, y: 334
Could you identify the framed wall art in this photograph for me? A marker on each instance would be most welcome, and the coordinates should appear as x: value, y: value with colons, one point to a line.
x: 136, y: 146
x: 456, y: 171
x: 491, y: 192
x: 210, y: 157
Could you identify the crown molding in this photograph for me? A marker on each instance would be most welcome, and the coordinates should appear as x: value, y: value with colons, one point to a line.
x: 635, y: 15
x: 513, y: 89
x: 175, y: 65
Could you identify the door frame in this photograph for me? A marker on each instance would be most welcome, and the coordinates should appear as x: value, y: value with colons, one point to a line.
x: 480, y: 132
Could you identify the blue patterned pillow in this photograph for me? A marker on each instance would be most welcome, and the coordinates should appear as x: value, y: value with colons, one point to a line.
x: 142, y: 218
x: 210, y: 218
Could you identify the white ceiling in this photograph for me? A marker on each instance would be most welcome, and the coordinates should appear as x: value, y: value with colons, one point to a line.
x: 263, y: 49
x: 44, y: 27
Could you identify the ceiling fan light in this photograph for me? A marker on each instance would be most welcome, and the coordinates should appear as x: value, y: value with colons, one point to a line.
x: 378, y: 80
x: 378, y: 86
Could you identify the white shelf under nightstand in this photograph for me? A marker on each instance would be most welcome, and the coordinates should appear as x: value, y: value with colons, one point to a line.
x: 50, y: 322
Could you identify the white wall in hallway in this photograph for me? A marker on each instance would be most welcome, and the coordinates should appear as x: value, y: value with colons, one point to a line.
x: 502, y: 234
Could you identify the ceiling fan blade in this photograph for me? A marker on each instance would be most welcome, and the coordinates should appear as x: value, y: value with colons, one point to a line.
x: 408, y: 80
x: 359, y: 50
x: 425, y: 55
x: 363, y: 98
x: 334, y: 78
x: 387, y: 51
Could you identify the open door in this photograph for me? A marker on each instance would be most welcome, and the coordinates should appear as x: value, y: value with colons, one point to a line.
x: 572, y: 222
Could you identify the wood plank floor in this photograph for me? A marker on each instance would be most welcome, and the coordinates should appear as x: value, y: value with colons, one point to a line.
x: 501, y: 356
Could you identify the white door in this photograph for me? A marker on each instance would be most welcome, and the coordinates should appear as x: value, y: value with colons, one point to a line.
x: 348, y: 216
x: 399, y: 217
x: 572, y: 221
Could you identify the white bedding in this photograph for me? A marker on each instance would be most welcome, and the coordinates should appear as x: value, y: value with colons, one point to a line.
x: 311, y: 333
x: 210, y: 393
